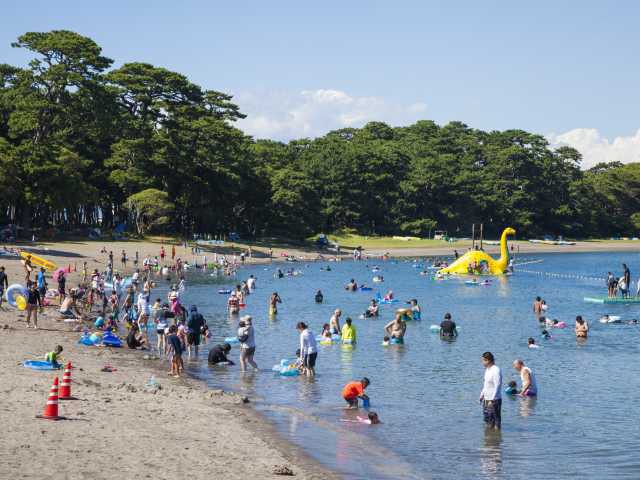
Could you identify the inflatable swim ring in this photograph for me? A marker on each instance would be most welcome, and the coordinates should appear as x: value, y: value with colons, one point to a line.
x: 436, y: 329
x: 14, y: 291
x: 396, y: 341
x: 21, y: 302
x: 232, y: 340
x: 223, y: 291
x: 286, y: 368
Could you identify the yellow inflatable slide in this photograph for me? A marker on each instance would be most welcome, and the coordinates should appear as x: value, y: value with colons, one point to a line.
x: 38, y: 261
x: 476, y: 262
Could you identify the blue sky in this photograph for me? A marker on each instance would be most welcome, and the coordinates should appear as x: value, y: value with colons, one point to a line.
x: 566, y: 69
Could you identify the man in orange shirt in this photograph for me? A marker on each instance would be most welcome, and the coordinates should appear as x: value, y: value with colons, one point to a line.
x: 354, y: 390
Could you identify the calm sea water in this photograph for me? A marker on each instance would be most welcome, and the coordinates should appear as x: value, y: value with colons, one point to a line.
x: 582, y: 425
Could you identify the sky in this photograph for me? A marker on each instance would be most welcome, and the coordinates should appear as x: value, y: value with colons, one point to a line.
x: 566, y: 69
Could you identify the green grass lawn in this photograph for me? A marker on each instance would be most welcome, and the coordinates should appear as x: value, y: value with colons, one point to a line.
x: 347, y: 241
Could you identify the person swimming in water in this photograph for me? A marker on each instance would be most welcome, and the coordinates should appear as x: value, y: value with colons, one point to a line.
x: 352, y: 286
x: 319, y: 297
x: 326, y: 331
x: 334, y: 323
x: 273, y: 303
x: 372, y: 310
x: 416, y: 311
x: 396, y: 328
x: 448, y: 328
x: 371, y: 419
x: 581, y: 328
x: 512, y: 388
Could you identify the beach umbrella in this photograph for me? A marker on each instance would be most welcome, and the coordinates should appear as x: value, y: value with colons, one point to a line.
x: 57, y: 273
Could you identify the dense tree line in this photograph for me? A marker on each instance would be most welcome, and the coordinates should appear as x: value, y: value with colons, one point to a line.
x: 86, y: 144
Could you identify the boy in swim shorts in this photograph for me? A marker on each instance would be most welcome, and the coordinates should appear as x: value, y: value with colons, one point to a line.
x: 354, y: 390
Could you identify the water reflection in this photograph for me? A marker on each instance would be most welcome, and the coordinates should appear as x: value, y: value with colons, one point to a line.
x: 395, y: 355
x: 346, y: 359
x: 527, y: 406
x: 310, y: 390
x: 491, y: 454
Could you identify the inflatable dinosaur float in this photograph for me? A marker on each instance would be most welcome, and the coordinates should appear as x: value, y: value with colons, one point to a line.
x: 477, y: 262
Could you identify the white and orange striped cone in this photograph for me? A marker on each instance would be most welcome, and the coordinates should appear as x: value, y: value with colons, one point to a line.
x: 51, y: 409
x: 65, y: 386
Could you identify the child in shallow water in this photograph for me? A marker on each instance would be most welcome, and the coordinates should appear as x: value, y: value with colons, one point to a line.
x: 385, y: 341
x: 371, y: 419
x: 326, y: 331
x: 512, y: 388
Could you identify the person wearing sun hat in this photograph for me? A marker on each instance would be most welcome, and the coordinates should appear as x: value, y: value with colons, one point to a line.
x: 247, y: 338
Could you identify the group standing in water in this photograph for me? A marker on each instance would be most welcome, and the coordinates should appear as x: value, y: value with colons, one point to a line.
x: 621, y: 285
x: 345, y: 332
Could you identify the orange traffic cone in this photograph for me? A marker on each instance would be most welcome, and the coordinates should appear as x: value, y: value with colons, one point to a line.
x: 65, y: 386
x: 51, y: 409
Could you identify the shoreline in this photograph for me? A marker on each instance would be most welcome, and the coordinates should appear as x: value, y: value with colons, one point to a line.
x: 217, y: 432
x: 73, y: 254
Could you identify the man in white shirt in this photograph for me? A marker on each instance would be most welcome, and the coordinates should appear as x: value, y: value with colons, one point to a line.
x: 308, y: 349
x: 491, y: 395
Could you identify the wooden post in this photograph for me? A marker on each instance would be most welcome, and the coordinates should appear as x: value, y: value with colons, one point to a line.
x: 481, y: 234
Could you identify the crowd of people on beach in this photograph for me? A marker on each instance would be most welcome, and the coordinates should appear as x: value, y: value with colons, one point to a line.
x: 117, y: 301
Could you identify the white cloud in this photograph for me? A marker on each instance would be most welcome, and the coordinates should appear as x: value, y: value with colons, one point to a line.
x: 311, y: 113
x: 595, y: 148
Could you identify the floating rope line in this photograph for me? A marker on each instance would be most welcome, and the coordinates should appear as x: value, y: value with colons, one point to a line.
x: 530, y: 262
x: 564, y: 275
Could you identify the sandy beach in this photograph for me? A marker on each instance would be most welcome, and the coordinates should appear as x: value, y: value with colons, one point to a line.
x: 120, y: 427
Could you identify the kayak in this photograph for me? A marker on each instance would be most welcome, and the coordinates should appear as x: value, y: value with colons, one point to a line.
x: 39, y: 261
